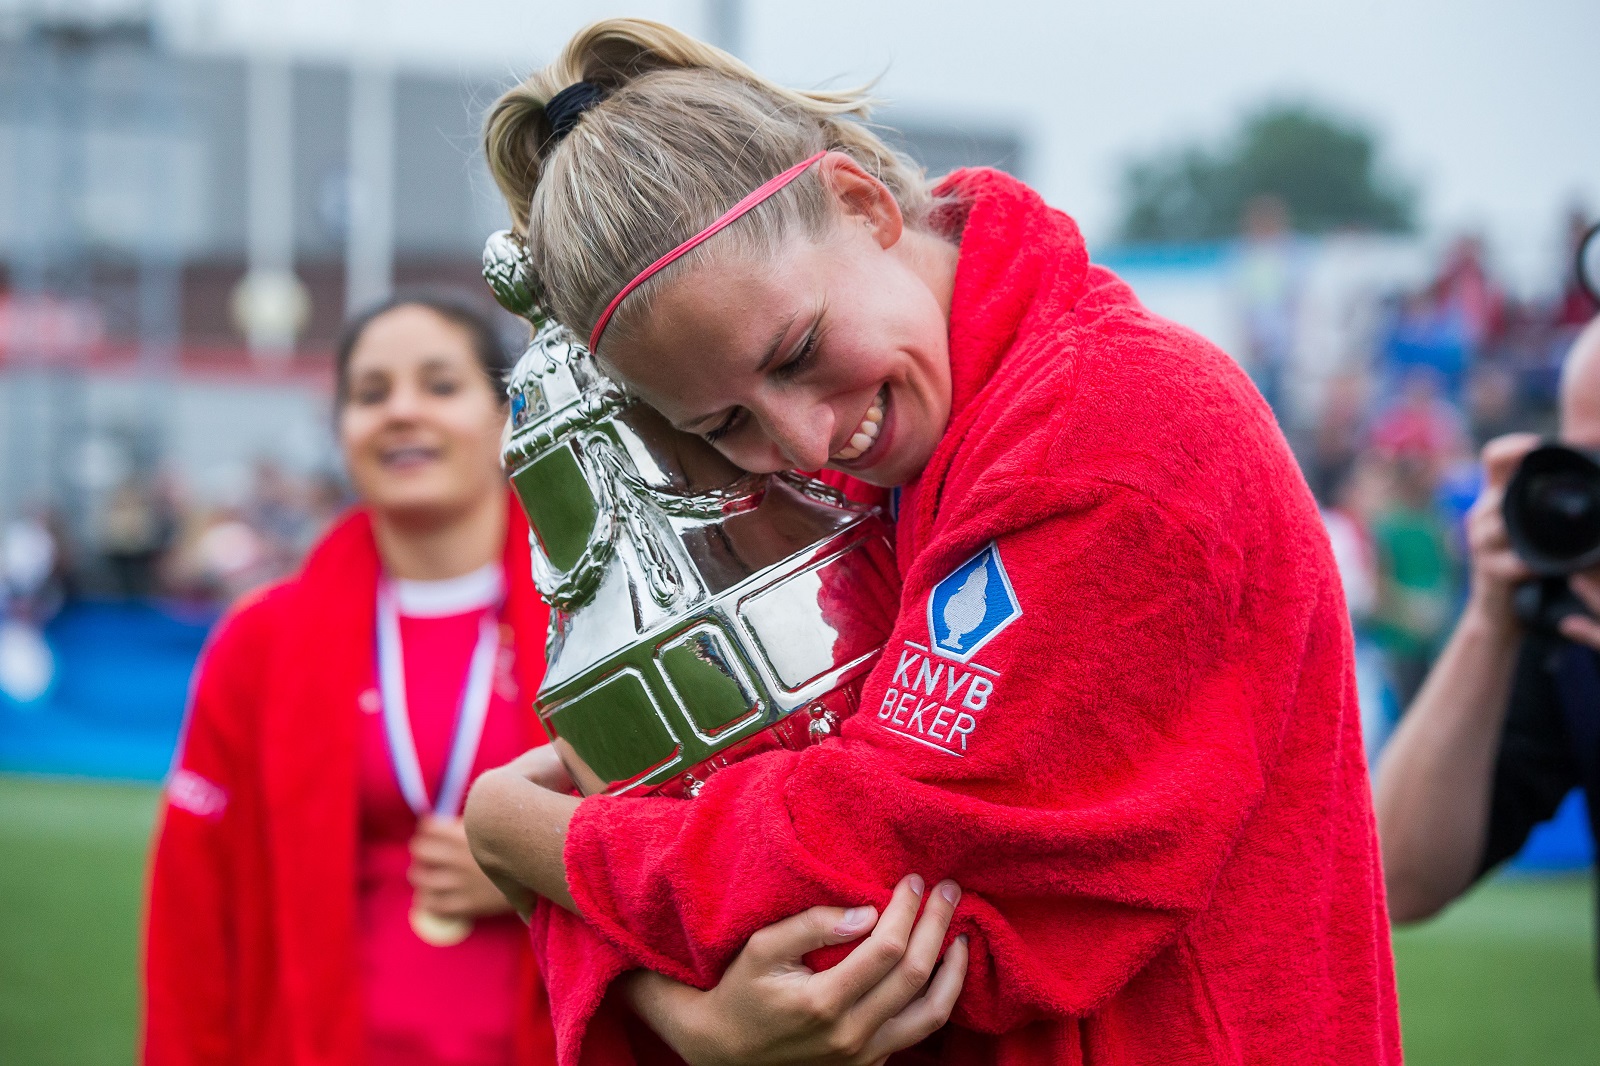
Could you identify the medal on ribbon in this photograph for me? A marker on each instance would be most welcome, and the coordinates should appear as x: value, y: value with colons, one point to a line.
x: 435, y: 929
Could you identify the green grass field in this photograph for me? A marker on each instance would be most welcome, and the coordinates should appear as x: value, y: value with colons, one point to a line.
x: 1503, y: 978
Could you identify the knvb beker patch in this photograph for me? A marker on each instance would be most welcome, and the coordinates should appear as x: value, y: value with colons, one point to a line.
x: 970, y: 607
x: 930, y: 699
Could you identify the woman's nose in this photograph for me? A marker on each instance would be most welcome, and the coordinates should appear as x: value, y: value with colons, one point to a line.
x: 403, y: 402
x: 803, y: 434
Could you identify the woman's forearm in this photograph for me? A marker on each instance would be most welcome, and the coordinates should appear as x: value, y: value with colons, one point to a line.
x: 518, y: 830
x: 1433, y: 784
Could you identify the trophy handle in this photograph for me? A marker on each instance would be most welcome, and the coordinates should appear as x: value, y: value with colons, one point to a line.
x: 648, y: 533
x: 571, y: 588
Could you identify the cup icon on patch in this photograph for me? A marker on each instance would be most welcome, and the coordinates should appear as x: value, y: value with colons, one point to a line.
x: 971, y: 606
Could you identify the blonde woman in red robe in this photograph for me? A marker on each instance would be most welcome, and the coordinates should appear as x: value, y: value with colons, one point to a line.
x: 1117, y: 704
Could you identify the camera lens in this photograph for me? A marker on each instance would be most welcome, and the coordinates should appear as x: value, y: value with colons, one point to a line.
x: 1552, y: 510
x: 1565, y: 513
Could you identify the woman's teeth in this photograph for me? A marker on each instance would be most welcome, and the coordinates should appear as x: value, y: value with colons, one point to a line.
x: 407, y: 456
x: 866, y: 433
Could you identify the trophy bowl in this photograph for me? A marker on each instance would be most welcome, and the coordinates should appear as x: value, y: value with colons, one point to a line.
x: 699, y: 614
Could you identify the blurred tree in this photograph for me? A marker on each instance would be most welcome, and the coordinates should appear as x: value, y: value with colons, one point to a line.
x: 1325, y: 170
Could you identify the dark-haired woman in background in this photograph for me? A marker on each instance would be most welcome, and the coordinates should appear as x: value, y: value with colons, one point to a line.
x: 312, y: 897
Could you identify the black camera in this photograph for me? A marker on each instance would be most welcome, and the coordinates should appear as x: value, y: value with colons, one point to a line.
x: 1552, y: 510
x: 1552, y: 513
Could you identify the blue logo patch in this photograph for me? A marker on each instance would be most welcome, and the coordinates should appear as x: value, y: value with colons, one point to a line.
x: 968, y: 608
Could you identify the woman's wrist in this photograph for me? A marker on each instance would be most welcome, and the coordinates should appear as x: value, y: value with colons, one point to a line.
x: 517, y: 830
x: 673, y: 1010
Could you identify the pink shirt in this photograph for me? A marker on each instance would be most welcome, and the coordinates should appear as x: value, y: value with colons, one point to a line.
x: 425, y: 1005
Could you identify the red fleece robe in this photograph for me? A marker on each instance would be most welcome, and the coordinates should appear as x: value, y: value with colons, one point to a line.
x: 251, y: 941
x: 1129, y: 730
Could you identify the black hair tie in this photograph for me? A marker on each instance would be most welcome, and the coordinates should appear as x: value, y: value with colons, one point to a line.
x: 565, y: 108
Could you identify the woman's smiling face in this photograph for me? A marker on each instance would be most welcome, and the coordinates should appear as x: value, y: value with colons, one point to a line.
x: 420, y: 423
x: 832, y: 353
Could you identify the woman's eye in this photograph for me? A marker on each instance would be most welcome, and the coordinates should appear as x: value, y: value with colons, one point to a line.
x: 718, y: 432
x: 443, y: 387
x: 801, y: 360
x: 368, y: 395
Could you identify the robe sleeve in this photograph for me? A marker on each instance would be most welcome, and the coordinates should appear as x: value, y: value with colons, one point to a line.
x: 578, y: 966
x: 191, y: 973
x: 1103, y: 775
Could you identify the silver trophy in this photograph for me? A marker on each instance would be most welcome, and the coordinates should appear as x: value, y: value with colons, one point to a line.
x: 700, y: 614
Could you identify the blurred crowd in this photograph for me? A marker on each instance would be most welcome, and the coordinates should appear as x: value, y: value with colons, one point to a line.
x: 153, y: 539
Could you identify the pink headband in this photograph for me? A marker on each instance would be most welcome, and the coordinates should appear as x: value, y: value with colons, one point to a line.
x: 728, y: 217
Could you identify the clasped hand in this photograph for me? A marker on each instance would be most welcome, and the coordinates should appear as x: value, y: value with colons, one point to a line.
x: 444, y: 877
x: 890, y: 992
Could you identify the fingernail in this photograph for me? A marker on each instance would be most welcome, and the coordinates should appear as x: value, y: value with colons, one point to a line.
x: 853, y: 919
x: 915, y: 882
x: 962, y: 940
x: 950, y: 891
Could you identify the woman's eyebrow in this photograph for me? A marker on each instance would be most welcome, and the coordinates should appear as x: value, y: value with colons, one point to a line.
x: 776, y: 344
x: 774, y: 349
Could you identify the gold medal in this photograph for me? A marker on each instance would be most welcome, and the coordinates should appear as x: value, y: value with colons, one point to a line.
x: 437, y: 930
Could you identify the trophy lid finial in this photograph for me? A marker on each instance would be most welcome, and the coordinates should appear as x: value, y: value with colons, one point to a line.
x: 505, y: 268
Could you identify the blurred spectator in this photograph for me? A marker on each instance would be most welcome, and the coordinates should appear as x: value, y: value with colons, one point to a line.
x: 1420, y: 426
x: 1338, y: 435
x: 1465, y: 292
x: 31, y: 592
x: 135, y: 529
x: 1425, y: 336
x: 1269, y: 277
x: 223, y: 552
x: 32, y: 577
x: 1492, y: 403
x: 326, y: 498
x: 219, y: 557
x: 1355, y: 498
x: 1416, y: 588
x: 1358, y: 497
x: 276, y: 509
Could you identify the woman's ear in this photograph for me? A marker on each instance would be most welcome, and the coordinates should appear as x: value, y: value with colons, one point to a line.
x: 862, y: 198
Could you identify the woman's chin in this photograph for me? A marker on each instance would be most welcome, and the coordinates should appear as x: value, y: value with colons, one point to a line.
x: 417, y: 503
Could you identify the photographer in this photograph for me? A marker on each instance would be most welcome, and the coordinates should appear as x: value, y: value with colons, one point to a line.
x: 1508, y: 721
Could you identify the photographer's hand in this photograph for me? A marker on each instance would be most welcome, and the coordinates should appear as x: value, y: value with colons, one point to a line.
x: 1496, y: 568
x: 1581, y: 628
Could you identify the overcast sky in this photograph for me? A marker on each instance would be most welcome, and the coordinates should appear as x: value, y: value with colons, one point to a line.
x: 1493, y: 108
